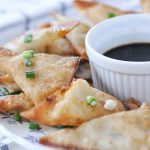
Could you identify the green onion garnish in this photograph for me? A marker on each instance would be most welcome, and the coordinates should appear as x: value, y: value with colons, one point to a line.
x: 34, y: 126
x: 28, y: 54
x: 4, y: 91
x: 110, y: 15
x: 15, y: 92
x: 63, y: 127
x: 17, y: 117
x: 28, y: 63
x: 30, y: 74
x: 28, y: 38
x: 91, y: 100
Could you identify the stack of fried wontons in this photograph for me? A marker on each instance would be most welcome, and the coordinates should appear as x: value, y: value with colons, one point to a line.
x: 60, y: 96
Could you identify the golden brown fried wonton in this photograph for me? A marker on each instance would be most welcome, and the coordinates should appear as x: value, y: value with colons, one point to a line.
x: 42, y: 38
x: 146, y: 5
x: 124, y: 130
x: 11, y: 103
x: 51, y: 73
x: 69, y: 107
x: 8, y: 81
x: 76, y: 36
x: 97, y: 12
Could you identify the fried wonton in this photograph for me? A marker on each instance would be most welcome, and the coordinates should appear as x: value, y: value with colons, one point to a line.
x: 40, y: 39
x: 61, y: 46
x: 8, y: 81
x: 128, y: 130
x: 145, y: 5
x: 51, y: 73
x: 69, y: 107
x: 77, y: 39
x: 44, y: 25
x: 97, y: 12
x: 11, y: 103
x: 76, y: 36
x: 4, y: 53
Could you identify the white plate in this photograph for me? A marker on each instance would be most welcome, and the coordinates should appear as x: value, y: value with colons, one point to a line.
x: 21, y: 134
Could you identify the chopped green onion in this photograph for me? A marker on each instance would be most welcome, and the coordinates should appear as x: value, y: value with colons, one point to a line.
x: 28, y: 54
x: 34, y: 126
x: 63, y: 127
x: 17, y: 117
x: 4, y: 91
x: 110, y: 15
x: 28, y: 38
x: 15, y: 92
x: 28, y: 63
x: 91, y: 100
x: 30, y: 74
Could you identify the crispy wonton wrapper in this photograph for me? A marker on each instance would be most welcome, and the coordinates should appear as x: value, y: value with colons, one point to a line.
x: 68, y: 107
x: 124, y: 130
x: 145, y: 5
x: 42, y: 38
x: 8, y: 81
x: 76, y: 36
x: 52, y: 72
x: 61, y: 46
x: 97, y: 12
x: 11, y: 103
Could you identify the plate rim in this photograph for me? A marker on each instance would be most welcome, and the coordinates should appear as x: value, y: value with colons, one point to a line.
x: 20, y: 141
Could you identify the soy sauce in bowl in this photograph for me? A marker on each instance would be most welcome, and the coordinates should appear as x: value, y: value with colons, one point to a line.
x: 133, y: 52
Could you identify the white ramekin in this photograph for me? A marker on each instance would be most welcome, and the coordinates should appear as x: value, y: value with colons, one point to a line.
x: 122, y: 79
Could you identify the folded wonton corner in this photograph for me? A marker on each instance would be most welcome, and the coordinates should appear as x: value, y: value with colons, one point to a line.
x: 11, y: 103
x: 52, y: 72
x: 42, y: 38
x: 77, y: 36
x: 69, y: 106
x: 96, y: 12
x: 146, y: 6
x: 128, y: 130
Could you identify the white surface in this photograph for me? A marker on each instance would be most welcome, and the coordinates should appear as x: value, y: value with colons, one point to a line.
x: 122, y: 79
x: 22, y: 135
x: 17, y: 16
x: 30, y: 13
x: 124, y: 4
x: 11, y: 24
x: 31, y: 8
x: 6, y: 19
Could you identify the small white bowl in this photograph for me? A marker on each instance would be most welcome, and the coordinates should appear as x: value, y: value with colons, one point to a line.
x: 122, y: 79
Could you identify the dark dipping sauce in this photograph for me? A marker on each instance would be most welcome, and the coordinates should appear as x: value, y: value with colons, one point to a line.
x: 131, y: 52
